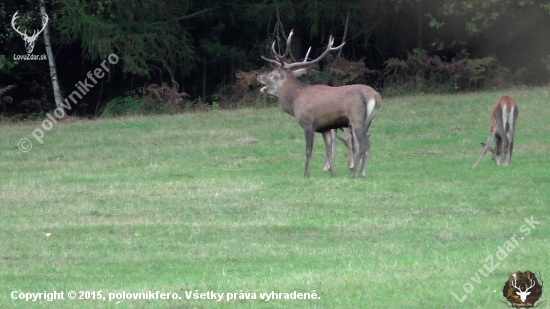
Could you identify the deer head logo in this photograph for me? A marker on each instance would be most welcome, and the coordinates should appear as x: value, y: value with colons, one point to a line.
x: 514, y: 293
x: 29, y: 40
x: 523, y: 294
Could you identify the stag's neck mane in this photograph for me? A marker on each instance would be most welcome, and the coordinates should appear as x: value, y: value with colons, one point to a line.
x: 294, y: 80
x: 290, y: 89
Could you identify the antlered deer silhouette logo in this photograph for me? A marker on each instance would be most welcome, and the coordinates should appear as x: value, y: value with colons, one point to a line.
x: 29, y: 40
x: 522, y: 290
x: 523, y: 294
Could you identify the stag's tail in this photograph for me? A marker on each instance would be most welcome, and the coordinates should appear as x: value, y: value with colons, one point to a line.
x: 373, y: 103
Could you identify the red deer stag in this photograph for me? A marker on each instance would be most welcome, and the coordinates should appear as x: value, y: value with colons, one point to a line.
x: 320, y: 108
x: 503, y: 127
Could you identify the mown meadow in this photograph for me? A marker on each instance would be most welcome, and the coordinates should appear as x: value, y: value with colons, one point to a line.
x: 177, y: 204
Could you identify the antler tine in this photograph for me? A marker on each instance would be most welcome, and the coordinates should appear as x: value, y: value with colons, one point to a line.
x: 280, y: 59
x: 323, y: 55
x: 307, y: 54
x: 531, y: 282
x: 275, y: 62
x: 514, y: 284
x: 43, y: 26
x: 13, y: 23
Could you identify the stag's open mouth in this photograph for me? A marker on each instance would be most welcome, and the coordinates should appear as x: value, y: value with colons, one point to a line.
x: 264, y: 88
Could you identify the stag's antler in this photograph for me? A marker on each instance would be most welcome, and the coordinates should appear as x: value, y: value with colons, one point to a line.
x: 34, y: 34
x: 44, y: 23
x: 280, y: 59
x: 29, y: 40
x: 304, y: 63
x: 13, y: 24
x: 523, y: 294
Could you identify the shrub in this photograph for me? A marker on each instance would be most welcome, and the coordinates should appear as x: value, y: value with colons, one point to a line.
x: 151, y: 99
x: 422, y: 73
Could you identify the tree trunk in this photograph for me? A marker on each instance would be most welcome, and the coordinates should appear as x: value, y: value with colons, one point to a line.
x: 420, y: 24
x: 51, y: 59
x: 296, y: 48
x: 205, y: 63
x: 344, y: 37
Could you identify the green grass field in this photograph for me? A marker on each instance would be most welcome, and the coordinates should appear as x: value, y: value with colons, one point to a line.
x: 174, y: 204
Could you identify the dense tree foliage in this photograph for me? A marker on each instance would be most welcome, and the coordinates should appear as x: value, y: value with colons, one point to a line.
x: 198, y: 47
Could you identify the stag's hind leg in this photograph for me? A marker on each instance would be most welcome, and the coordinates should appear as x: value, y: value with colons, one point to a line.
x: 362, y: 142
x: 365, y: 158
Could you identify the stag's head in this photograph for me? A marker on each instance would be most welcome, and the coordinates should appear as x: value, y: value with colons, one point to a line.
x: 523, y: 294
x: 29, y: 40
x: 272, y: 81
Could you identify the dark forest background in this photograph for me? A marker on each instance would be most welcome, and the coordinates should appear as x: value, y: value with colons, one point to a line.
x: 180, y: 55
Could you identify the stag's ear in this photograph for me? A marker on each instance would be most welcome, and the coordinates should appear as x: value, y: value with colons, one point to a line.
x: 281, y: 72
x: 299, y: 72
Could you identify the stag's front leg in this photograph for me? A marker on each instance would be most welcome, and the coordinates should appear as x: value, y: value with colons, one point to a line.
x: 309, y: 133
x: 329, y: 142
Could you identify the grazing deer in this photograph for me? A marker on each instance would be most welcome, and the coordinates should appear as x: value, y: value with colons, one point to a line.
x: 503, y: 127
x: 320, y: 108
x: 29, y: 40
